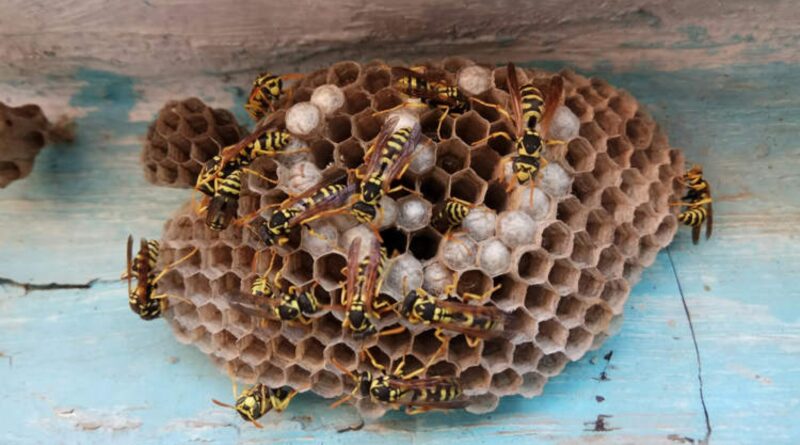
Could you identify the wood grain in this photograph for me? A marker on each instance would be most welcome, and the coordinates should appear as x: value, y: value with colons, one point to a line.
x: 78, y: 367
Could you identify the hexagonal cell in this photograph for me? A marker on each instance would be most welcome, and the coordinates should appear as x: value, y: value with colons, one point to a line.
x: 609, y: 121
x: 611, y: 262
x: 425, y: 244
x: 511, y: 293
x: 570, y: 311
x: 580, y: 155
x: 494, y: 257
x: 460, y: 353
x: 271, y: 375
x: 466, y: 185
x: 615, y: 293
x: 600, y: 227
x: 366, y: 126
x: 587, y: 190
x: 425, y: 345
x: 227, y: 283
x: 355, y: 100
x: 578, y: 342
x: 395, y: 345
x: 223, y: 343
x: 632, y: 271
x: 430, y: 121
x: 645, y: 218
x: 506, y: 382
x: 459, y: 252
x: 639, y: 132
x: 219, y: 257
x: 533, y: 265
x: 552, y: 364
x: 634, y: 185
x: 395, y: 241
x: 616, y: 203
x: 520, y: 326
x: 327, y: 328
x: 475, y: 380
x: 572, y: 212
x: 551, y: 336
x: 386, y: 99
x: 483, y: 162
x: 605, y: 171
x: 648, y: 249
x: 342, y: 354
x: 557, y: 239
x: 564, y: 276
x: 526, y: 357
x: 620, y: 150
x: 376, y: 78
x: 299, y: 268
x: 211, y: 317
x: 299, y: 95
x: 471, y: 127
x: 496, y: 197
x: 350, y: 153
x: 283, y: 350
x: 580, y: 108
x: 502, y: 146
x: 584, y: 252
x: 311, y: 351
x: 532, y: 384
x: 623, y: 104
x: 626, y: 239
x: 473, y: 282
x: 338, y: 128
x: 328, y: 270
x: 414, y: 213
x: 597, y: 318
x: 452, y: 155
x: 665, y: 231
x: 496, y: 353
x: 590, y: 283
x: 641, y: 162
x: 434, y: 186
x: 591, y: 96
x: 298, y: 377
x: 326, y: 384
x: 516, y: 228
x: 343, y: 73
x: 496, y: 97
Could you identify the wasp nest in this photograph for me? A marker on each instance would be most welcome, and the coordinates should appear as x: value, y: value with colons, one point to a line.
x: 565, y: 254
x: 183, y: 137
x: 24, y: 130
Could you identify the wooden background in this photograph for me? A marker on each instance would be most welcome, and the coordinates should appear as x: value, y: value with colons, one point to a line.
x: 710, y: 347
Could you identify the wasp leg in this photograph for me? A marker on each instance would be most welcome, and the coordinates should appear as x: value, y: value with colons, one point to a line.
x: 497, y: 107
x: 259, y: 175
x: 480, y: 297
x: 378, y: 366
x: 501, y: 134
x: 169, y: 267
x: 441, y: 122
x: 279, y: 405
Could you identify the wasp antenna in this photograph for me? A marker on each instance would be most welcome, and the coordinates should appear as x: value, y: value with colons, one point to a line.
x: 222, y: 404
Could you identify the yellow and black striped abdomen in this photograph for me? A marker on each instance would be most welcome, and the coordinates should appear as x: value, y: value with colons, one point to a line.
x: 394, y: 146
x: 694, y: 216
x: 268, y: 143
x: 232, y: 185
x: 323, y: 193
x: 532, y: 104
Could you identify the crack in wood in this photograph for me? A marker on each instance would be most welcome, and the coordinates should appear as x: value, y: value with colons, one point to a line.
x: 696, y: 349
x: 30, y: 287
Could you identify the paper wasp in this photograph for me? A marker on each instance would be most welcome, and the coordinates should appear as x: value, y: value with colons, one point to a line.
x: 143, y: 298
x: 361, y: 288
x: 433, y: 90
x: 255, y: 402
x: 225, y: 202
x: 310, y: 206
x: 476, y: 322
x: 452, y: 213
x: 266, y: 91
x: 397, y: 389
x: 387, y: 160
x: 262, y: 142
x: 527, y: 110
x: 697, y: 202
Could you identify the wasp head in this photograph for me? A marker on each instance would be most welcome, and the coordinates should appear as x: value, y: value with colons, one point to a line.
x: 364, y: 382
x: 409, y: 302
x: 253, y: 403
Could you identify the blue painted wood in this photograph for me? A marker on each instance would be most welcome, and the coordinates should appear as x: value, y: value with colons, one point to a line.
x: 77, y: 367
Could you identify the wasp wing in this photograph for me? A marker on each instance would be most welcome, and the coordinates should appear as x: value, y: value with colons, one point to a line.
x: 372, y: 159
x: 263, y: 308
x: 332, y: 203
x: 349, y: 290
x: 516, y: 98
x: 551, y: 102
x: 129, y: 258
x: 710, y: 211
x: 369, y: 287
x: 400, y: 164
x: 421, y: 383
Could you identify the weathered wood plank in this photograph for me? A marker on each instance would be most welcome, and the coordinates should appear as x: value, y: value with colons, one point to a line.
x: 77, y: 366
